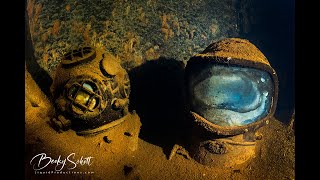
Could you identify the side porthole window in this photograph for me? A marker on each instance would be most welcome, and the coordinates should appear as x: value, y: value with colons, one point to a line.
x: 84, y: 96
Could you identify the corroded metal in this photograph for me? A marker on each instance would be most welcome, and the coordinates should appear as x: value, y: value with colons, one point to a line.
x: 238, y: 52
x: 215, y: 144
x: 91, y: 90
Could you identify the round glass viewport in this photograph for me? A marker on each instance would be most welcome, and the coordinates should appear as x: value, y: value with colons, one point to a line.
x: 229, y: 95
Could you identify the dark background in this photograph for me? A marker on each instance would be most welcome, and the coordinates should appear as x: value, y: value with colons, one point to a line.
x: 271, y: 28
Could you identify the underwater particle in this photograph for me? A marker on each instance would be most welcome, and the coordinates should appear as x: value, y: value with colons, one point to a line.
x: 106, y: 139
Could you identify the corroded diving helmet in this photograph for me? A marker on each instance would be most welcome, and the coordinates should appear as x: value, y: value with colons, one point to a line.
x: 90, y: 91
x: 232, y: 91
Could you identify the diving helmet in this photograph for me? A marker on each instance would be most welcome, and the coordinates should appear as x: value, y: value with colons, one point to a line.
x: 232, y: 91
x: 90, y: 91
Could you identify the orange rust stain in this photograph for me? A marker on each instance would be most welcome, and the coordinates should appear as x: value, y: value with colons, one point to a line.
x: 86, y: 34
x: 45, y: 58
x: 56, y: 27
x: 68, y: 7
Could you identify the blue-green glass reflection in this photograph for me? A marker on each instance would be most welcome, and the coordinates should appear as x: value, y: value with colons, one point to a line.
x: 232, y: 95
